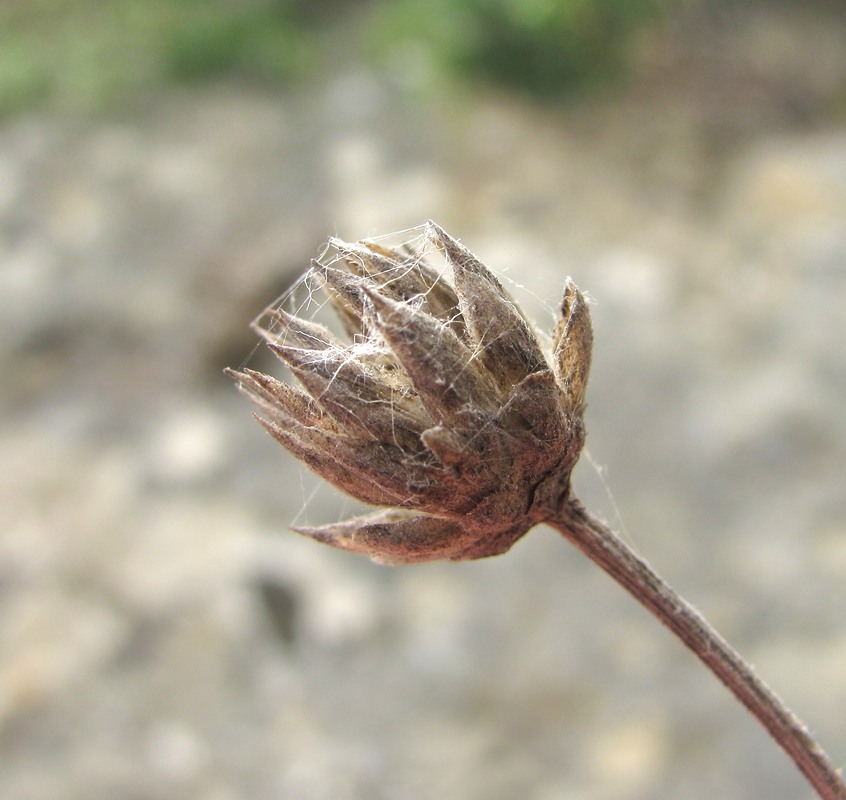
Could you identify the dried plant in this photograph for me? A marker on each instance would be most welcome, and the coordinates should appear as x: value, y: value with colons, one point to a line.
x: 443, y: 409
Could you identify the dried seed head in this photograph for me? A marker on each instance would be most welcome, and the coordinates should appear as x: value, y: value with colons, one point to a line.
x: 443, y: 407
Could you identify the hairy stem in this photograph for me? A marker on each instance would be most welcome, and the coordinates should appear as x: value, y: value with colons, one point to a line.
x: 599, y: 543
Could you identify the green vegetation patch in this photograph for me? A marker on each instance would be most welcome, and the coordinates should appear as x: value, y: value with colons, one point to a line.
x: 546, y: 47
x: 89, y: 54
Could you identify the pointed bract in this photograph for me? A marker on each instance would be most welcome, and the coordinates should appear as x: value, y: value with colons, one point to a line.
x: 534, y: 407
x: 572, y: 344
x: 394, y: 536
x: 306, y: 333
x: 507, y: 344
x: 403, y: 278
x: 346, y: 297
x: 445, y: 372
x: 311, y: 452
x: 358, y: 397
x: 274, y: 395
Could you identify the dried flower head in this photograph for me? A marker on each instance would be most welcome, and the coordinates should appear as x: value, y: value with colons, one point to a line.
x: 442, y: 406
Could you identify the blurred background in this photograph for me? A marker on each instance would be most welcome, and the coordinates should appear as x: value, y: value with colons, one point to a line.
x: 168, y: 168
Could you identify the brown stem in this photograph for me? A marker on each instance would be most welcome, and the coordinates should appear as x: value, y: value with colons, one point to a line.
x: 599, y: 543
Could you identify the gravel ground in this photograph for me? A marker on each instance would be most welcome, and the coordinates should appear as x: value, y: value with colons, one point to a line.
x: 164, y: 636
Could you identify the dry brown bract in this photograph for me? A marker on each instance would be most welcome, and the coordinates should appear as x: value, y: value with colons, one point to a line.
x: 442, y: 407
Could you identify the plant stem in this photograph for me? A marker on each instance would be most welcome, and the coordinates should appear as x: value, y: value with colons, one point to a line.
x: 599, y: 543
